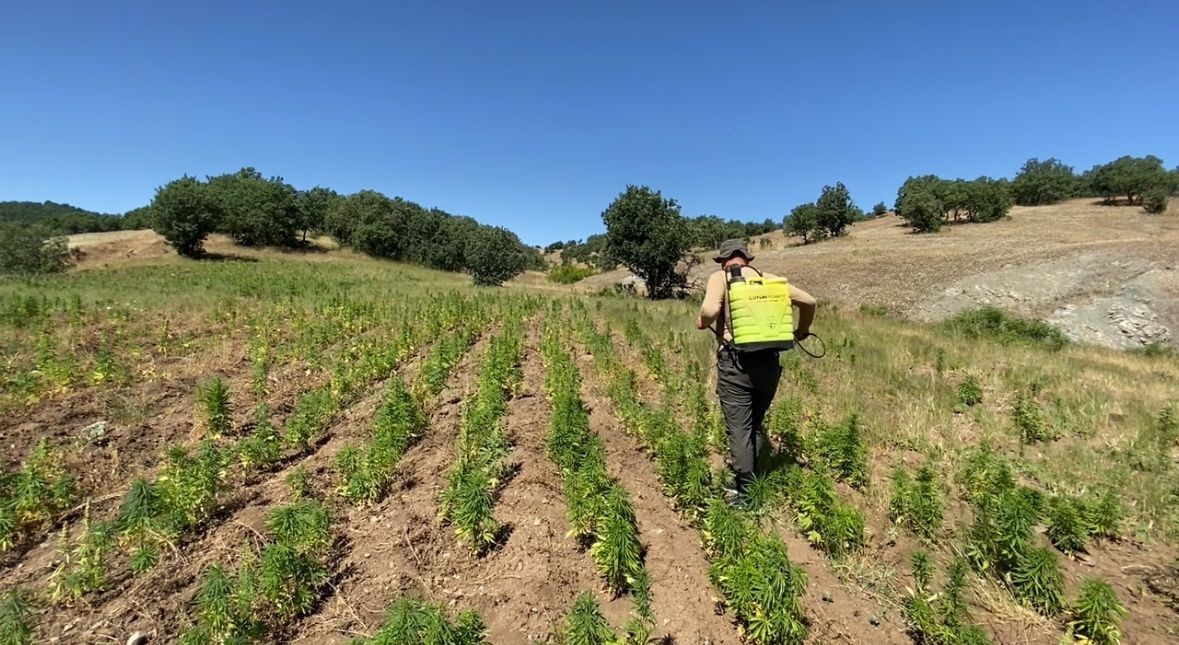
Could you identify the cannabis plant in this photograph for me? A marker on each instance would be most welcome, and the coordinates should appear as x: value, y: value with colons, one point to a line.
x: 970, y: 392
x: 1097, y: 614
x: 1038, y: 582
x: 216, y: 407
x: 16, y: 617
x: 585, y: 624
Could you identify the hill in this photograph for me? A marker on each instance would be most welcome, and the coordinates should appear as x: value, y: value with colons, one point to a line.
x: 1105, y: 275
x: 62, y: 219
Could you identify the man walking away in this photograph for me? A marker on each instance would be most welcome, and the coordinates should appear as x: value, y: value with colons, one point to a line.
x: 754, y: 314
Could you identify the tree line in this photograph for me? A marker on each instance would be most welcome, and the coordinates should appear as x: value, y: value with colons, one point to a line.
x: 258, y: 211
x: 1142, y: 181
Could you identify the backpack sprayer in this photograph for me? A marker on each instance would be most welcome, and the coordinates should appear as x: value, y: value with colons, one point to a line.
x: 761, y: 315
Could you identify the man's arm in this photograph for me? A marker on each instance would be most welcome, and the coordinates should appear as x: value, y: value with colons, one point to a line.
x: 806, y: 311
x: 714, y: 298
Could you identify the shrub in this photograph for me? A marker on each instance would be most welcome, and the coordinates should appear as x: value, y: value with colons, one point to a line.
x: 1154, y: 201
x: 996, y: 324
x: 26, y: 250
x: 879, y: 209
x: 568, y: 273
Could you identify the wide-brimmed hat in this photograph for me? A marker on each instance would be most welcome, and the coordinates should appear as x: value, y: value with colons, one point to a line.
x: 729, y: 248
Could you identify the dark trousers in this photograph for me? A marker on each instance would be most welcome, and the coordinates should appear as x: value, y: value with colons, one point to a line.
x: 746, y: 384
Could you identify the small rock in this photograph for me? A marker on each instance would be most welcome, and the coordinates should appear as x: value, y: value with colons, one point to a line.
x: 138, y: 638
x: 827, y: 597
x: 874, y: 620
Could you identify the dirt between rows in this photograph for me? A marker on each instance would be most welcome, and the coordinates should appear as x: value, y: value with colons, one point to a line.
x: 104, y: 467
x: 157, y: 602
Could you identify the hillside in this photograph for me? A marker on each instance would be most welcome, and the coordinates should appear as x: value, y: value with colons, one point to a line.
x: 1106, y: 275
x: 198, y: 407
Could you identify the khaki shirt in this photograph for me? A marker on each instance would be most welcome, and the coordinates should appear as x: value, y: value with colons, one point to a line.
x: 716, y: 293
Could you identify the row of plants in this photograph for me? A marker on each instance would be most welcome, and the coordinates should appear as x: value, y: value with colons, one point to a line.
x: 273, y: 584
x: 600, y: 512
x: 157, y: 514
x: 749, y: 566
x: 1002, y: 543
x: 483, y: 447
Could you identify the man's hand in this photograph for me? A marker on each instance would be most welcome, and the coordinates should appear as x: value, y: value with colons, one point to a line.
x: 699, y: 322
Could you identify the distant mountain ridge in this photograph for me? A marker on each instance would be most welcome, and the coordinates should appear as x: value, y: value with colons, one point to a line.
x: 61, y: 219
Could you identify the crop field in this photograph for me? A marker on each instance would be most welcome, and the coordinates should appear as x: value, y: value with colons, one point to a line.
x: 290, y: 449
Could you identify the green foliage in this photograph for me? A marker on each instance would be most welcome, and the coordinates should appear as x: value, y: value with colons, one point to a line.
x: 828, y: 216
x: 281, y: 584
x: 970, y: 392
x: 1096, y: 615
x: 1154, y: 201
x: 28, y: 250
x: 1038, y: 582
x: 916, y: 503
x: 410, y: 621
x: 396, y: 229
x: 299, y: 481
x: 495, y: 255
x: 263, y: 447
x: 367, y: 472
x: 255, y: 211
x: 1028, y: 419
x: 759, y: 582
x: 1066, y: 528
x: 32, y: 495
x: 189, y: 484
x: 312, y: 412
x: 825, y: 520
x: 82, y: 568
x: 585, y: 624
x: 940, y: 618
x: 58, y: 219
x: 184, y: 214
x: 1043, y: 182
x: 141, y: 524
x: 879, y: 209
x: 482, y: 446
x: 708, y: 231
x: 216, y: 406
x: 1130, y: 177
x: 929, y: 202
x: 998, y: 325
x: 840, y: 449
x: 835, y: 210
x: 645, y: 232
x: 16, y: 617
x: 803, y: 221
x: 617, y: 551
x: 568, y: 273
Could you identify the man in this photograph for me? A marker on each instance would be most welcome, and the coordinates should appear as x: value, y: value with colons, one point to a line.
x: 747, y: 374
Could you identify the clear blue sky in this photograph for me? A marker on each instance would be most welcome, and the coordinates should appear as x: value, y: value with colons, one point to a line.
x: 535, y: 115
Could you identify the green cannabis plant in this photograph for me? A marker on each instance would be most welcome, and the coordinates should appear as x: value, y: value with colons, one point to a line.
x: 585, y: 625
x: 1096, y: 615
x: 216, y: 407
x: 16, y: 617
